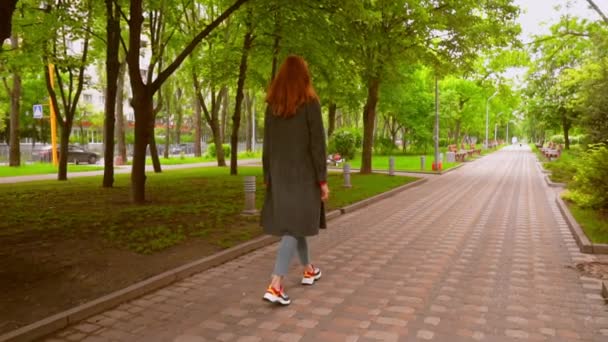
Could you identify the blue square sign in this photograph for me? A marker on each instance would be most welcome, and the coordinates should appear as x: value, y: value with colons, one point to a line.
x: 37, y: 111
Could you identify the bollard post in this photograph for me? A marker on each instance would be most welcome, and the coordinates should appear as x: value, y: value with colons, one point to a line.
x: 391, y: 166
x: 249, y: 187
x: 346, y: 172
x: 422, y: 162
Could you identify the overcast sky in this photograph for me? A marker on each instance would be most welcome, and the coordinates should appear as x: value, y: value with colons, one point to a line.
x: 538, y: 15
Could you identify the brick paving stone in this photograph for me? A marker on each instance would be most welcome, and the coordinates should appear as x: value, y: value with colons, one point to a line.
x: 479, y: 254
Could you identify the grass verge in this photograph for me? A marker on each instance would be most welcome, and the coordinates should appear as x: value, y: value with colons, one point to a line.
x: 202, y: 202
x: 402, y: 163
x: 43, y: 168
x: 593, y: 222
x: 178, y: 159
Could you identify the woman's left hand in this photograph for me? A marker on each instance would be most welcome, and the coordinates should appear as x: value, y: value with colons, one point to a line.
x: 324, y: 192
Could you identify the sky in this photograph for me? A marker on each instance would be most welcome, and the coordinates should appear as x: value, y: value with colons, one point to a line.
x: 538, y: 15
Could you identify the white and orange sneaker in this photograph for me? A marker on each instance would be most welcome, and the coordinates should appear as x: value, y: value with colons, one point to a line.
x: 276, y: 296
x: 309, y: 277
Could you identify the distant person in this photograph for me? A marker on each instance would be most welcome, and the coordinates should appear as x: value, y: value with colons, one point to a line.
x: 295, y: 172
x: 514, y: 141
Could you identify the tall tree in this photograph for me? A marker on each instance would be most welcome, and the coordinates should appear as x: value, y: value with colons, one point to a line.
x: 112, y: 75
x: 70, y: 65
x: 394, y: 31
x: 238, y: 105
x: 14, y: 92
x: 143, y: 92
x: 120, y: 118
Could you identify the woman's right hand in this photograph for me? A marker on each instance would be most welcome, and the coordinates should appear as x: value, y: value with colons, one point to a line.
x: 324, y: 192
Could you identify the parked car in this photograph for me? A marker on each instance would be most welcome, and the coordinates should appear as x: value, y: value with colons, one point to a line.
x: 76, y: 155
x: 177, y: 149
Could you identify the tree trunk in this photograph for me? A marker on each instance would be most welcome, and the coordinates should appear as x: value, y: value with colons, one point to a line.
x: 167, y: 129
x: 217, y: 140
x: 566, y: 126
x: 331, y: 125
x: 197, y: 128
x: 369, y: 116
x: 212, y: 119
x: 153, y: 148
x: 142, y: 107
x: 179, y: 116
x: 64, y: 141
x: 225, y: 103
x: 15, y: 136
x: 7, y: 7
x: 236, y: 119
x: 120, y: 118
x: 112, y: 71
x: 249, y: 119
x: 457, y: 133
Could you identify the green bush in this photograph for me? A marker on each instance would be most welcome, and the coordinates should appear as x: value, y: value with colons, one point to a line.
x: 384, y: 145
x: 358, y: 137
x: 558, y: 139
x: 590, y: 186
x: 565, y: 167
x: 344, y: 142
x: 186, y: 138
x: 211, y: 151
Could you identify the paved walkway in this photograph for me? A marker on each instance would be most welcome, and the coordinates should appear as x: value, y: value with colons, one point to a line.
x: 480, y: 253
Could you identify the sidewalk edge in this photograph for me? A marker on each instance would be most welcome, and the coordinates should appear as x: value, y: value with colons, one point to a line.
x: 368, y: 201
x: 581, y: 239
x: 63, y: 319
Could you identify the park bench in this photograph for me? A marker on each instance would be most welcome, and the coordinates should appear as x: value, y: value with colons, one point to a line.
x: 459, y: 155
x: 475, y: 149
x: 552, y: 151
x: 334, y: 159
x: 464, y: 149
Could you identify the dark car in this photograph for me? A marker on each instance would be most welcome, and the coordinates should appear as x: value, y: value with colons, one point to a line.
x: 76, y: 155
x: 177, y: 149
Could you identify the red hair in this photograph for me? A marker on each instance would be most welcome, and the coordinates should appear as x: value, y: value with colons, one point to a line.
x: 291, y: 87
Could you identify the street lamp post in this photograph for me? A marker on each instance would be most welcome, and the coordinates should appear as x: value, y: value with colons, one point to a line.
x: 496, y: 126
x: 487, y: 117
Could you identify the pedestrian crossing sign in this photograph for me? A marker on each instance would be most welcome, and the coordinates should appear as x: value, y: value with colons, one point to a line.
x: 37, y: 111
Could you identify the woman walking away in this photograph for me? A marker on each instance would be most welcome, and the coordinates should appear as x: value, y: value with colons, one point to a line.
x: 295, y: 172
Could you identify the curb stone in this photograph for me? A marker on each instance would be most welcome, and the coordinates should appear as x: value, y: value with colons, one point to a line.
x: 582, y: 240
x: 63, y: 319
x: 404, y: 171
x: 553, y: 184
x: 541, y: 168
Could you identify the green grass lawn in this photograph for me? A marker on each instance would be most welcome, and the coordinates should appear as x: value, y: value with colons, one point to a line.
x: 593, y: 222
x: 178, y: 160
x: 182, y: 204
x: 402, y: 163
x: 43, y: 168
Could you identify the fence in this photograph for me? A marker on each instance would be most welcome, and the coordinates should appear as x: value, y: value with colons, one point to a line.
x: 31, y: 153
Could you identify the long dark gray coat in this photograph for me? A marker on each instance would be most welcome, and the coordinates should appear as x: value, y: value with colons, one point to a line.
x: 294, y: 165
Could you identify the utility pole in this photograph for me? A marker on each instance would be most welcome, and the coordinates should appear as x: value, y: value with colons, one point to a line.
x: 436, y: 137
x: 487, y: 117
